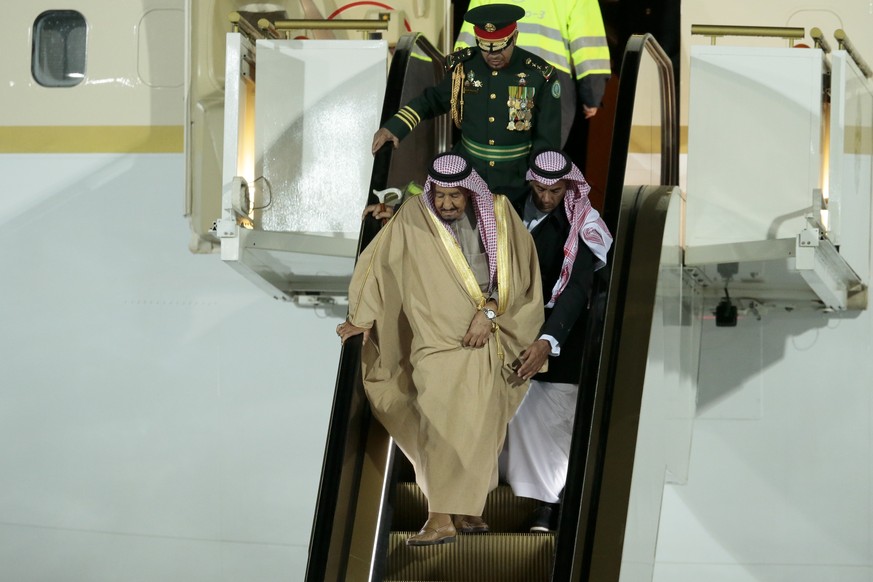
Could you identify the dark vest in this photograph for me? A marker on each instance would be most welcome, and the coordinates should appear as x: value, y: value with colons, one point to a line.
x: 566, y: 320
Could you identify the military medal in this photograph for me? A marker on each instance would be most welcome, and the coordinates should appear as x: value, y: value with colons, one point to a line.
x: 520, y: 104
x: 471, y: 83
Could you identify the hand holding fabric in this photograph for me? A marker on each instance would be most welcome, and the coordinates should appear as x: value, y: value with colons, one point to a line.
x: 478, y: 332
x: 533, y: 359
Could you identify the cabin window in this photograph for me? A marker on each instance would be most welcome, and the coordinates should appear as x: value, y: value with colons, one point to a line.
x: 58, y: 58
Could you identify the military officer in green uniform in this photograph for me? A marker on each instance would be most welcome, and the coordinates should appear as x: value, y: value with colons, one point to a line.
x: 505, y: 100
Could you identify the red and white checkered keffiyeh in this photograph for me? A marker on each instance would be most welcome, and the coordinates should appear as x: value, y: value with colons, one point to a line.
x: 548, y: 167
x: 452, y: 171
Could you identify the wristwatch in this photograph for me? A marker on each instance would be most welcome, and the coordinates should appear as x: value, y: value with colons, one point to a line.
x: 489, y: 313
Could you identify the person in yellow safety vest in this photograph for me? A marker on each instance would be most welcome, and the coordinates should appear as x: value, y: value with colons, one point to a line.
x: 569, y: 35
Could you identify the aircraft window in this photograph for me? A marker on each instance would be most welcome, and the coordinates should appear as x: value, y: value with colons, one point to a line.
x: 58, y: 58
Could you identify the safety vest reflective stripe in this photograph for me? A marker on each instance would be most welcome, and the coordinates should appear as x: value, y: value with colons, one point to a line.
x: 465, y: 39
x: 591, y: 55
x: 588, y: 42
x: 419, y: 54
x: 589, y: 50
x: 544, y: 31
x: 549, y: 44
x: 599, y: 66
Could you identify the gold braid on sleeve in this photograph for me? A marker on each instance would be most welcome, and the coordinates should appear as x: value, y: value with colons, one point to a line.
x: 457, y: 100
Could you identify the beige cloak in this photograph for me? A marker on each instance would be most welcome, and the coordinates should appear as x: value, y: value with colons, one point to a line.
x: 446, y: 406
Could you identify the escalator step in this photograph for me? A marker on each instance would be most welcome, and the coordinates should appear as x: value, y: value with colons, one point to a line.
x: 479, y: 558
x: 504, y: 512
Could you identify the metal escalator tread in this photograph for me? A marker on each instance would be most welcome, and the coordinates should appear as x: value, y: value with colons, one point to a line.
x: 494, y: 557
x: 504, y: 555
x: 504, y: 512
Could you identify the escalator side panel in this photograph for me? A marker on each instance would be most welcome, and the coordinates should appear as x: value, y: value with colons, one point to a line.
x: 366, y: 512
x: 591, y: 528
x: 629, y: 322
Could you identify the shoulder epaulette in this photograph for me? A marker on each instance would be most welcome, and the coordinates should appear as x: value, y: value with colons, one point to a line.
x: 543, y: 67
x: 459, y: 56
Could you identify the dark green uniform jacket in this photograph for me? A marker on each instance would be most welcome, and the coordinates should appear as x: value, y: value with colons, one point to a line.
x: 506, y: 114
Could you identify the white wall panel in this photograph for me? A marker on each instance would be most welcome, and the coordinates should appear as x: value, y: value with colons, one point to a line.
x: 790, y: 489
x: 317, y: 106
x: 161, y: 417
x: 752, y: 111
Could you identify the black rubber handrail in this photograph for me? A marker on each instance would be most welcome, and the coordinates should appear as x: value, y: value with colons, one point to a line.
x: 636, y: 47
x: 574, y: 553
x: 403, y: 52
x: 350, y: 416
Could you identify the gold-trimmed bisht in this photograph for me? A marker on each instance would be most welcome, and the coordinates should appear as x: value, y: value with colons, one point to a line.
x: 462, y: 267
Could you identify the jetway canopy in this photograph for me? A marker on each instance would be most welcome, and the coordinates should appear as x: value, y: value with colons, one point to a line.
x: 779, y: 174
x: 298, y: 169
x: 299, y: 121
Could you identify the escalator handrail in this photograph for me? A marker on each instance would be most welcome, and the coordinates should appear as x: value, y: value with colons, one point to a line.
x: 404, y: 50
x: 628, y: 78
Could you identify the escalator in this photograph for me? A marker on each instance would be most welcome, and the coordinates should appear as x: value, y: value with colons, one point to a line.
x: 368, y: 503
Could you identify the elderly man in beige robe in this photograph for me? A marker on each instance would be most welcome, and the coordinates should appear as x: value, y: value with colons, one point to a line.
x: 447, y: 296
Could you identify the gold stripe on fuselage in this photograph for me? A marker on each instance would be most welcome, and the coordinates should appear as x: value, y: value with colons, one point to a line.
x: 170, y: 139
x: 92, y: 139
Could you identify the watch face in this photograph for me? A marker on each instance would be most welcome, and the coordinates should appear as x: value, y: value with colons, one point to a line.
x: 489, y: 313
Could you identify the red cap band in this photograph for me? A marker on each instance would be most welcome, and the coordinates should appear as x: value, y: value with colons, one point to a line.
x: 498, y: 34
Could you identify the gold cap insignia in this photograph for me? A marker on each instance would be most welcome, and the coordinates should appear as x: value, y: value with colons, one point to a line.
x: 490, y: 27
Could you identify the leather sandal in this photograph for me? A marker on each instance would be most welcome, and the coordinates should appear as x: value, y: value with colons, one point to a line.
x: 471, y: 524
x: 431, y: 536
